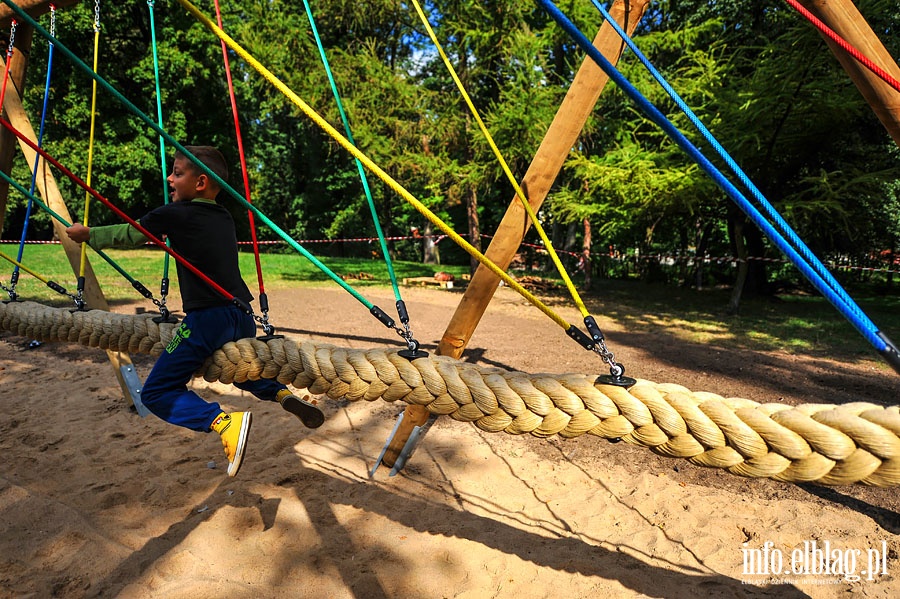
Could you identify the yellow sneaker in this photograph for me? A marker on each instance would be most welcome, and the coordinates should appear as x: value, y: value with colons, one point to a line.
x: 306, y: 411
x: 233, y: 428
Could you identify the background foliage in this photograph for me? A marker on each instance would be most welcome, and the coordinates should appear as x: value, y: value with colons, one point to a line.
x: 758, y: 75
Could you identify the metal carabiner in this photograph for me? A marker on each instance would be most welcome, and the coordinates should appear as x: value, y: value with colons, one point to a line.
x: 616, y: 376
x: 412, y: 350
x: 267, y: 327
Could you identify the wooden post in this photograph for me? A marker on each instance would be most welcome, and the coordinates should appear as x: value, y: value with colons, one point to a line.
x: 46, y: 184
x: 547, y: 162
x: 844, y: 18
x: 558, y: 141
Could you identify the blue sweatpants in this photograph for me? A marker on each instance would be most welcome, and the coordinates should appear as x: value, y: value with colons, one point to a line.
x: 165, y: 392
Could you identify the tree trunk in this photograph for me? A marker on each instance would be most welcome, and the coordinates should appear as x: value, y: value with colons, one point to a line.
x: 474, y: 229
x: 702, y: 245
x: 563, y: 240
x: 740, y: 250
x: 757, y: 272
x: 556, y: 235
x: 892, y: 257
x: 586, y: 255
x: 570, y: 237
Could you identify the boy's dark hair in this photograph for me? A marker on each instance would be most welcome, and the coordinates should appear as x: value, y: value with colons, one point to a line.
x: 209, y: 156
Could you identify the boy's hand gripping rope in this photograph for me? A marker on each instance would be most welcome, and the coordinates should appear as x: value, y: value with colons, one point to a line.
x: 138, y: 286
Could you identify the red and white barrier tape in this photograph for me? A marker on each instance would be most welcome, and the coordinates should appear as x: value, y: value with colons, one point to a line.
x: 542, y: 250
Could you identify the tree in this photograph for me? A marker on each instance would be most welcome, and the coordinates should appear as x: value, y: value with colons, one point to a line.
x: 759, y: 77
x: 126, y: 162
x: 769, y: 90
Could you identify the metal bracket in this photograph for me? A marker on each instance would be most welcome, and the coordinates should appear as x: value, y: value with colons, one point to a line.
x: 386, y: 444
x: 417, y: 433
x: 133, y: 382
x: 408, y: 448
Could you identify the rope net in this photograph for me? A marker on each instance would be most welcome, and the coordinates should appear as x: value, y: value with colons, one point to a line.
x: 823, y: 443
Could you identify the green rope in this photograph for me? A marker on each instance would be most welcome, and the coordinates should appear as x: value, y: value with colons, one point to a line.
x: 173, y: 142
x: 359, y: 165
x: 134, y: 282
x: 164, y: 285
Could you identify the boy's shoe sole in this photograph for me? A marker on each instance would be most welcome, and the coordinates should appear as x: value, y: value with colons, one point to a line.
x: 309, y: 415
x: 235, y: 465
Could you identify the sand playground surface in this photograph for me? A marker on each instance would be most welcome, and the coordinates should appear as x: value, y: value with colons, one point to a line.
x: 96, y: 501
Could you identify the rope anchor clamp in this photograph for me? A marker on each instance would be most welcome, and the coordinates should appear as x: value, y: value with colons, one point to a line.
x: 598, y: 346
x: 616, y: 374
x: 616, y: 377
x: 164, y: 314
x: 412, y: 346
x: 412, y: 351
x: 77, y: 297
x: 267, y: 328
x: 13, y: 296
x: 11, y: 290
x: 263, y: 320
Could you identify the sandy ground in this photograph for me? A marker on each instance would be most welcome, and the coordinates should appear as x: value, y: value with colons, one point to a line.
x: 98, y: 502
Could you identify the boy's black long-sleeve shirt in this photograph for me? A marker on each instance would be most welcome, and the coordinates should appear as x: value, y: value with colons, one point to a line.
x: 202, y: 232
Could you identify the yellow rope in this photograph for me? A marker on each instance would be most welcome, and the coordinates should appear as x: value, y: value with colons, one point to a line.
x: 90, y: 164
x: 519, y: 193
x: 25, y: 268
x: 388, y: 180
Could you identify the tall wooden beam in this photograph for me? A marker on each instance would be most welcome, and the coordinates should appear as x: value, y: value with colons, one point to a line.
x: 548, y: 161
x: 844, y: 18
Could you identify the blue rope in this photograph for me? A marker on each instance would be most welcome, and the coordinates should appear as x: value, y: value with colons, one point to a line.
x: 172, y: 142
x: 770, y: 210
x: 37, y: 161
x: 859, y: 321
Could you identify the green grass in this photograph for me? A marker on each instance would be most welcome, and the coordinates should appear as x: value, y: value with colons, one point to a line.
x: 794, y: 323
x: 146, y: 266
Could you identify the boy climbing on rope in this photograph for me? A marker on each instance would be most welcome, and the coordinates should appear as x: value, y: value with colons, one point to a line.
x: 202, y: 231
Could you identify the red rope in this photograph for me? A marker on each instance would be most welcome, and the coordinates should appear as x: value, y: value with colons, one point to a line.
x: 118, y: 212
x: 240, y: 145
x: 830, y: 33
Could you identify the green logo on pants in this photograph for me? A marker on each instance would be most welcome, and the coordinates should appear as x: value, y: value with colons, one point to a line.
x: 181, y: 333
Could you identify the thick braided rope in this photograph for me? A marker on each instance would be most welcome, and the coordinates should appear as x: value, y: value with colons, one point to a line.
x: 827, y: 444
